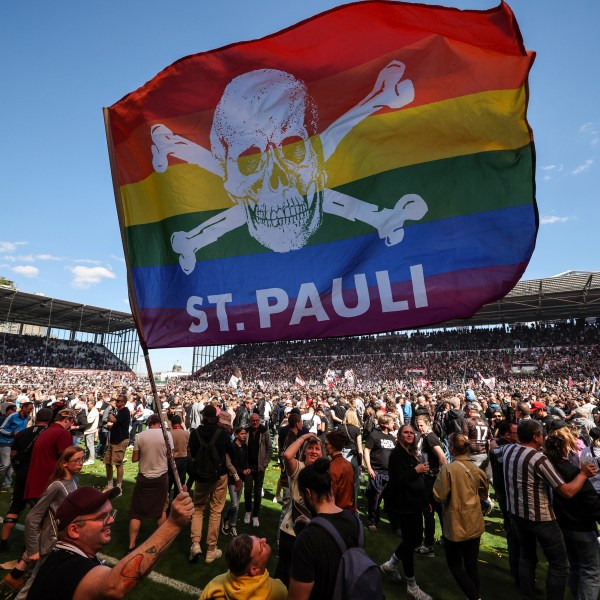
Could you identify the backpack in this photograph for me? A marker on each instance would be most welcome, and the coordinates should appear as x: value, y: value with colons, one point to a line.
x: 207, y: 463
x: 438, y: 424
x: 358, y: 577
x: 308, y: 423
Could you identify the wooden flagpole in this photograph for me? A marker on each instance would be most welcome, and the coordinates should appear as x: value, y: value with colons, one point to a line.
x: 133, y: 301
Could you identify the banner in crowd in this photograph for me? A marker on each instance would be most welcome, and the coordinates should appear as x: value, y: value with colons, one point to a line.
x: 367, y: 170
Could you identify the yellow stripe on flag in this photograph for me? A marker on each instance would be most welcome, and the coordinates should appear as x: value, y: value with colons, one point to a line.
x: 470, y: 124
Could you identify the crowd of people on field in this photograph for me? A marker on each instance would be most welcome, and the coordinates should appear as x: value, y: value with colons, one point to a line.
x: 421, y: 451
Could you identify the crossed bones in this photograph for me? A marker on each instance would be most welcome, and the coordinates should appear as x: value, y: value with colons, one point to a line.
x: 389, y: 91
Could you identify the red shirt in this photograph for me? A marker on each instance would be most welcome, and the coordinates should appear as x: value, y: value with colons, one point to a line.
x: 47, y: 449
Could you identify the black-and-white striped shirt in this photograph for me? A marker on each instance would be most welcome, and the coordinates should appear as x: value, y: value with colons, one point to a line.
x: 527, y: 475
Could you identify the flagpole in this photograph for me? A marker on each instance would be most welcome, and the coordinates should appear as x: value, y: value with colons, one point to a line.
x: 133, y: 301
x: 158, y: 410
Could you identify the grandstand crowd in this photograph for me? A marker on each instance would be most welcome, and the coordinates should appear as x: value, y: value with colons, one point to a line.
x: 443, y: 426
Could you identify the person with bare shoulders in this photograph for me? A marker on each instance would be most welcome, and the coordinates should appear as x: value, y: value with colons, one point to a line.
x: 84, y: 521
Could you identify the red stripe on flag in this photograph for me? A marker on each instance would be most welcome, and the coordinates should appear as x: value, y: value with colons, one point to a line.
x: 448, y: 53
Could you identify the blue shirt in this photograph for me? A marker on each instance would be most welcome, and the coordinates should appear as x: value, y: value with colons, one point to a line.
x: 11, y: 426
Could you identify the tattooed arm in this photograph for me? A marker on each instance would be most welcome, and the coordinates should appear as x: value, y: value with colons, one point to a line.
x: 105, y: 583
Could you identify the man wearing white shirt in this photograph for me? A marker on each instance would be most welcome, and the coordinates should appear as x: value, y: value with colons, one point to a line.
x: 93, y: 418
x: 311, y: 421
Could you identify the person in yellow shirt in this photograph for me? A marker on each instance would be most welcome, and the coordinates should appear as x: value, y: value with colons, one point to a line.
x: 247, y: 578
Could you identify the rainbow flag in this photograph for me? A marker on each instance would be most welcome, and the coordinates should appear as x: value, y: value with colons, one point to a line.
x: 369, y: 169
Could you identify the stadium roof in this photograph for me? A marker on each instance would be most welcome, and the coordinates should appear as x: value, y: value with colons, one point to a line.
x: 31, y: 309
x: 574, y: 294
x: 570, y: 295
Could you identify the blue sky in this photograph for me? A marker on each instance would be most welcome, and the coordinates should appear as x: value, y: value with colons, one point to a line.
x: 62, y: 62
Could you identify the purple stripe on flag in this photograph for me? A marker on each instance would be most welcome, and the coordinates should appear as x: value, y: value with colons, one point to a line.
x: 420, y: 301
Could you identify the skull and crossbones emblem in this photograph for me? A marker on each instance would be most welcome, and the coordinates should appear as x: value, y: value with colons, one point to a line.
x: 266, y: 147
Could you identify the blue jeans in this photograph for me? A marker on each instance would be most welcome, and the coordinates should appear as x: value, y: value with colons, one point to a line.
x: 550, y: 538
x: 234, y: 506
x: 584, y: 557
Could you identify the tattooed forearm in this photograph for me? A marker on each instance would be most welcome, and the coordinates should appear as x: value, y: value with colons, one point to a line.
x: 138, y: 565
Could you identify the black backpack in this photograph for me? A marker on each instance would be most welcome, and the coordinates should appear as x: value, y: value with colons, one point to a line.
x: 308, y: 423
x: 358, y: 577
x: 206, y: 466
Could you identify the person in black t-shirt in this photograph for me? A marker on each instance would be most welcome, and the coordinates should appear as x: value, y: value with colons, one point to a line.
x: 431, y: 451
x: 72, y: 571
x: 118, y: 438
x: 21, y: 450
x: 378, y: 448
x: 316, y: 555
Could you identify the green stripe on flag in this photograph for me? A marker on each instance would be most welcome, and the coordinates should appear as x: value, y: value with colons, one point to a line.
x: 451, y: 187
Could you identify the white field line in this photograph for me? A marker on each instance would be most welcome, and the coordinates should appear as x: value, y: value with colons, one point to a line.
x: 180, y: 586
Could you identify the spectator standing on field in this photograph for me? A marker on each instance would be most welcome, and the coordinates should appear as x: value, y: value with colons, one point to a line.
x: 22, y: 449
x: 210, y: 489
x: 461, y: 487
x: 378, y: 447
x: 149, y: 498
x: 93, y: 419
x: 118, y: 439
x: 258, y: 441
x: 48, y: 448
x: 527, y: 475
x: 12, y: 425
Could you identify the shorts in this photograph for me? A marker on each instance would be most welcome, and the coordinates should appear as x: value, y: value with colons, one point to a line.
x: 149, y: 497
x: 115, y: 453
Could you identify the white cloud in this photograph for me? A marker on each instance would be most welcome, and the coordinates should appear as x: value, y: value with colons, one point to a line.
x: 590, y: 133
x: 549, y: 220
x: 119, y: 258
x: 85, y: 277
x: 583, y: 167
x: 26, y: 271
x: 550, y: 170
x: 10, y: 246
x: 39, y: 294
x: 48, y: 257
x: 18, y: 257
x: 87, y: 261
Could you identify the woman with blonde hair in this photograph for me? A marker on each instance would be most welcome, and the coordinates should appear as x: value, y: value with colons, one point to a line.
x: 40, y: 524
x: 462, y: 487
x: 309, y: 447
x: 571, y: 442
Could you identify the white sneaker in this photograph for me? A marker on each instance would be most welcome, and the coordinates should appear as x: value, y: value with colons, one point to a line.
x: 247, y: 518
x: 195, y: 551
x: 87, y: 463
x: 255, y: 522
x: 391, y: 571
x: 212, y: 555
x: 275, y: 500
x: 417, y: 593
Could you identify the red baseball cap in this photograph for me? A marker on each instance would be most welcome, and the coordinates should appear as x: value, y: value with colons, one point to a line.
x: 83, y: 501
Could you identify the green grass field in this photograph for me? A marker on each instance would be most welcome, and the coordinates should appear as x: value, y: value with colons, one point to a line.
x: 432, y: 573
